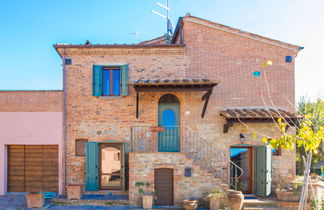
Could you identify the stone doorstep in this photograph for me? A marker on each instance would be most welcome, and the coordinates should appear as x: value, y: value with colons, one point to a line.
x: 260, y: 203
x: 105, y: 192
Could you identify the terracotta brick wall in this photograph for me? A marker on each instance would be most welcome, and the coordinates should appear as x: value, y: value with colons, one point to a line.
x: 232, y: 59
x: 31, y: 101
x: 209, y: 53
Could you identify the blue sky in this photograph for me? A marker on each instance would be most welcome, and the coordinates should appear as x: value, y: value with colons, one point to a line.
x: 29, y: 28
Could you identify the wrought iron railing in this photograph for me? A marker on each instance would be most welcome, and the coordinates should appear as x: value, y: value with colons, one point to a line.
x: 236, y: 173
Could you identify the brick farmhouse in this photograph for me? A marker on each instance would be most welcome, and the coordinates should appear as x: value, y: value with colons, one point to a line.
x: 185, y: 114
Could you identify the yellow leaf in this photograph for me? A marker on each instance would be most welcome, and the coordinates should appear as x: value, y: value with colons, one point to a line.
x: 265, y: 140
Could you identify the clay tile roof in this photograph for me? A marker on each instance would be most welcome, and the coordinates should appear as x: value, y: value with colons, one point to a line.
x: 157, y: 82
x: 257, y: 113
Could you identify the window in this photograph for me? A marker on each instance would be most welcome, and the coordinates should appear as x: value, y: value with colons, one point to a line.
x: 80, y: 147
x: 110, y: 80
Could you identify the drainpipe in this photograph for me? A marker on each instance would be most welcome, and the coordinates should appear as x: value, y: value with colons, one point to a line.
x: 64, y: 149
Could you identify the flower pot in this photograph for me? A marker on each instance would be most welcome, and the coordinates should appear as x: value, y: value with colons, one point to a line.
x: 214, y: 203
x: 236, y: 199
x: 35, y: 200
x: 147, y: 201
x: 284, y: 195
x: 156, y: 129
x: 190, y: 204
x: 73, y: 192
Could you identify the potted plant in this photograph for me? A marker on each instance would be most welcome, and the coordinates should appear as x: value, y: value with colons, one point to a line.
x: 214, y: 198
x: 35, y: 199
x: 73, y: 191
x: 147, y: 194
x: 289, y: 193
x: 190, y: 204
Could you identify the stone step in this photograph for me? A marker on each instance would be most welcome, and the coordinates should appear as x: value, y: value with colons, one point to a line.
x: 260, y: 203
x: 92, y: 200
x: 261, y: 208
x: 106, y: 192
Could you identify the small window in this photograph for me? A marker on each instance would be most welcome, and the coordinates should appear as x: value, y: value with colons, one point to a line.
x: 80, y: 147
x: 111, y: 81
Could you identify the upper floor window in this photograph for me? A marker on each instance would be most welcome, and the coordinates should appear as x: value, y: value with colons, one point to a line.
x: 110, y: 80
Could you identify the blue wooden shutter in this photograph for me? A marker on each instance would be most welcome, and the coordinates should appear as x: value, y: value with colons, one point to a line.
x: 92, y: 153
x: 124, y: 80
x: 263, y: 167
x: 97, y: 80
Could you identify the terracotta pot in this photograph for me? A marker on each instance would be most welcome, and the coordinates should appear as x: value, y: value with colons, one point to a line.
x: 288, y: 196
x: 214, y: 203
x: 35, y: 200
x: 147, y: 201
x: 157, y: 129
x: 73, y: 192
x: 236, y: 199
x: 190, y: 204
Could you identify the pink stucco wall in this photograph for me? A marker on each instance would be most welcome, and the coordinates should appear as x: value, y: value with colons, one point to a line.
x: 29, y: 128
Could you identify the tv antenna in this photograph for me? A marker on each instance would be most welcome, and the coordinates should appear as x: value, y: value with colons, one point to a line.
x: 166, y: 16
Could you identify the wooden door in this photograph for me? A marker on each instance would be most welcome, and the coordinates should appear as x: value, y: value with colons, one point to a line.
x: 263, y: 167
x: 242, y: 157
x: 32, y: 168
x: 163, y: 182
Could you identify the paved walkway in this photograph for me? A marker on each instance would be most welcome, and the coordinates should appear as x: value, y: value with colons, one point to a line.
x: 13, y: 202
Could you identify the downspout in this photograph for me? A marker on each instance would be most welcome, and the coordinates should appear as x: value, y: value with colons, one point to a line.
x: 64, y: 121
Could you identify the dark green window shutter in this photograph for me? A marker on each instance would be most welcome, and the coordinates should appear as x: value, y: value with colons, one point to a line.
x: 92, y: 165
x: 124, y: 80
x: 262, y: 172
x: 97, y: 80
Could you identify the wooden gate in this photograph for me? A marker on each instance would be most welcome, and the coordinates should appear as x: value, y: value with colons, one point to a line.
x: 163, y: 182
x: 33, y: 168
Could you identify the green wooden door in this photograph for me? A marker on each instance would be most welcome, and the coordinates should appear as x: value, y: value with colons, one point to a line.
x: 92, y: 164
x: 262, y: 172
x: 169, y: 119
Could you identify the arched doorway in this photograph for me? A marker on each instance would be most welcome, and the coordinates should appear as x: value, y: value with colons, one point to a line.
x: 169, y: 118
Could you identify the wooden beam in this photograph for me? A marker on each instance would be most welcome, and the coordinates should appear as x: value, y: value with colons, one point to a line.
x: 205, y: 98
x: 227, y: 125
x: 173, y: 88
x: 137, y: 103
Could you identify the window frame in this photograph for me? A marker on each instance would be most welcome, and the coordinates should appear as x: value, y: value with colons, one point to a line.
x: 111, y: 78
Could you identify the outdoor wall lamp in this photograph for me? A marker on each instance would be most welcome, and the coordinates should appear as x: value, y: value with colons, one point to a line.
x: 242, y: 137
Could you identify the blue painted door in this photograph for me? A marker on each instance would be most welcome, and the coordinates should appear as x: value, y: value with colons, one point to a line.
x: 169, y: 119
x: 92, y: 164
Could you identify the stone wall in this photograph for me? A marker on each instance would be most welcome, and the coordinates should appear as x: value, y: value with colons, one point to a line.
x: 141, y: 169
